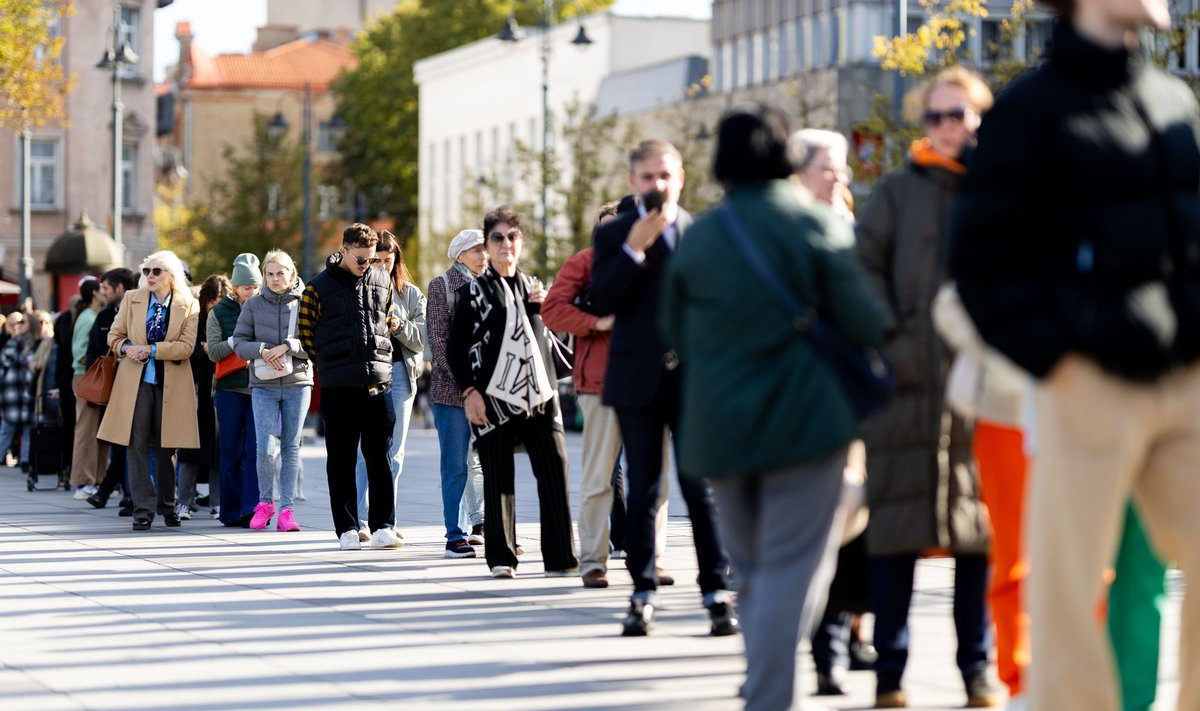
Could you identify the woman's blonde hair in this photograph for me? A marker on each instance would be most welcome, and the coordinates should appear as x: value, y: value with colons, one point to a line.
x: 283, y: 259
x: 976, y: 89
x: 172, y: 264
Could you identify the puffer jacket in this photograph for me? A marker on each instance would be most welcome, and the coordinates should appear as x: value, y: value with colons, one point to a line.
x: 922, y: 485
x: 408, y: 342
x: 266, y: 319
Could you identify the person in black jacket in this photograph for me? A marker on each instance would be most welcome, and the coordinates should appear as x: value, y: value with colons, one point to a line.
x: 345, y: 325
x: 1077, y: 254
x: 642, y: 381
x: 64, y: 328
x: 113, y: 285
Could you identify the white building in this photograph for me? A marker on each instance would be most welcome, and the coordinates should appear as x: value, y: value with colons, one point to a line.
x: 477, y: 101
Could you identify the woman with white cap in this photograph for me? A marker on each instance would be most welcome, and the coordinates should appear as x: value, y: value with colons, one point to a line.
x: 469, y: 257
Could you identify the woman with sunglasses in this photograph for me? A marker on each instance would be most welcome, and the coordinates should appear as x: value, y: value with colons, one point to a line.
x: 408, y: 344
x: 281, y: 380
x: 236, y: 437
x: 923, y: 488
x: 501, y: 358
x: 153, y: 401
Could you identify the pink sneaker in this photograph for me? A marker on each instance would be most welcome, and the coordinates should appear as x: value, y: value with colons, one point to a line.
x: 285, y: 521
x: 262, y: 515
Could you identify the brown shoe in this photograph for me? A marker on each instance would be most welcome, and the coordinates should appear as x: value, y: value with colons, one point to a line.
x: 595, y: 579
x: 890, y: 700
x: 664, y: 578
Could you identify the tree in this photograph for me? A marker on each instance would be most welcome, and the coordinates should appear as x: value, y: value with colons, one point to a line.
x: 937, y: 42
x: 378, y: 99
x: 32, y: 82
x: 257, y: 206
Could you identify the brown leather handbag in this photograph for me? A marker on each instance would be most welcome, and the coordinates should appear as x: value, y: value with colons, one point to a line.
x: 97, y: 383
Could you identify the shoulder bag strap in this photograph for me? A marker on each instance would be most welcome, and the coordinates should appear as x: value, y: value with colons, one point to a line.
x: 802, y: 316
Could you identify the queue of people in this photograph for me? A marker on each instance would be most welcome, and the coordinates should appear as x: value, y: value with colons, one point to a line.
x: 1041, y: 361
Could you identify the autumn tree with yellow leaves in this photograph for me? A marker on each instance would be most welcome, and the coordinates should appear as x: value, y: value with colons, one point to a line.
x: 33, y: 85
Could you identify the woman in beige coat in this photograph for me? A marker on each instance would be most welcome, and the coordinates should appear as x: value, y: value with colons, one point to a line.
x: 154, y: 333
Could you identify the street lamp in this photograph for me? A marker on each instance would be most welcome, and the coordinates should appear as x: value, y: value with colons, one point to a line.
x: 512, y: 33
x: 119, y: 55
x: 279, y: 126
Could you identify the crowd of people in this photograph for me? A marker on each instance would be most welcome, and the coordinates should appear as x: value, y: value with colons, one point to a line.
x: 1031, y: 276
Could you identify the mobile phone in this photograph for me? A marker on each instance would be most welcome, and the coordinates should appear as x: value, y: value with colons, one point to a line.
x: 653, y: 200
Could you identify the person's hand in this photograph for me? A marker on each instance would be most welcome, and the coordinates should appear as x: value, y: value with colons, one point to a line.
x: 205, y: 347
x: 275, y: 355
x: 475, y: 408
x: 537, y: 294
x: 139, y: 353
x: 646, y: 230
x: 1068, y: 364
x: 53, y: 394
x: 605, y: 323
x: 393, y: 323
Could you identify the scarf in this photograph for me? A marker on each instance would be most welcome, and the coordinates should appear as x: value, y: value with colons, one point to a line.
x: 923, y: 155
x: 519, y: 378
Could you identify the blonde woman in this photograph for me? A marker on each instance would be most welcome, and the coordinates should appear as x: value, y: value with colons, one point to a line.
x: 281, y: 380
x: 154, y: 333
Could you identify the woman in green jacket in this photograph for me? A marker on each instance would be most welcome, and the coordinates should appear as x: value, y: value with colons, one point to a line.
x: 764, y: 417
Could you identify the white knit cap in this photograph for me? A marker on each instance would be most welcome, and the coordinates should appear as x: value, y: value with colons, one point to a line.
x: 462, y: 242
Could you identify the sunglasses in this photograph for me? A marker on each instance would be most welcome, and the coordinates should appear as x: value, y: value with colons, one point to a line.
x: 498, y: 237
x: 935, y: 118
x: 156, y: 271
x: 361, y: 260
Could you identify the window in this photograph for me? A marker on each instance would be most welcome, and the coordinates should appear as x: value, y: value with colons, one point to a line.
x: 129, y: 176
x: 835, y: 38
x: 755, y: 59
x: 129, y: 31
x: 991, y: 44
x: 1037, y: 36
x: 45, y: 173
x: 327, y: 200
x: 326, y: 137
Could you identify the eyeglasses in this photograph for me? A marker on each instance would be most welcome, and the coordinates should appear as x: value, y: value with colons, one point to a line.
x: 156, y: 271
x: 935, y: 118
x: 361, y: 260
x: 498, y: 237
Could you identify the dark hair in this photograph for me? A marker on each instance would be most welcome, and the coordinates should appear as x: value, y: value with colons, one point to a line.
x: 504, y: 214
x: 359, y: 235
x: 607, y: 209
x: 120, y: 277
x: 215, y: 287
x: 652, y: 147
x: 752, y: 146
x: 388, y: 242
x: 87, y: 291
x: 1064, y: 9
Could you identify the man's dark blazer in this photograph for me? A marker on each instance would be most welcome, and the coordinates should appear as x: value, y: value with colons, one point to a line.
x: 630, y: 291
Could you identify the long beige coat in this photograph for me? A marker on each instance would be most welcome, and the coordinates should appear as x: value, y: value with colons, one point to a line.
x: 179, y: 428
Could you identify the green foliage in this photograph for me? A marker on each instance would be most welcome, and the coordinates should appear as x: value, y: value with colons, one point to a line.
x: 32, y: 82
x: 257, y: 206
x: 379, y: 97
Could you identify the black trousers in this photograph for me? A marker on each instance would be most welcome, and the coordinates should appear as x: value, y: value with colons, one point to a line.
x: 157, y: 493
x: 354, y: 418
x: 548, y: 457
x: 642, y: 431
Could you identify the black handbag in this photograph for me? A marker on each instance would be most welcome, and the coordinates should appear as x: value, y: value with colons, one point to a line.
x: 865, y: 376
x: 564, y: 357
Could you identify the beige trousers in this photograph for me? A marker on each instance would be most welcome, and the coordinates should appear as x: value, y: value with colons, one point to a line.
x: 90, y: 457
x: 1101, y: 439
x: 601, y: 448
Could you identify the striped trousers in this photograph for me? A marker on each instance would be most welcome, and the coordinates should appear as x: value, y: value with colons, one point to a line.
x: 547, y: 451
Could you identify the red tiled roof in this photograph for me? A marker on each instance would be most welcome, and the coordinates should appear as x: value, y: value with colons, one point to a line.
x: 288, y: 66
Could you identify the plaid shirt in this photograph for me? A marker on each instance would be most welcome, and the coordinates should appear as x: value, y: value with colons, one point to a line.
x: 443, y: 390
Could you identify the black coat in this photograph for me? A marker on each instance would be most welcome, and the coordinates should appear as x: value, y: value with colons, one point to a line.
x: 638, y: 356
x: 1078, y: 227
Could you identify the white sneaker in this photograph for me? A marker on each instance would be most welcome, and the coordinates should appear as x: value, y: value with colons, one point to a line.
x: 364, y: 534
x: 215, y: 513
x: 183, y: 511
x: 91, y: 489
x: 568, y: 573
x: 502, y: 571
x: 386, y: 538
x: 81, y: 493
x: 349, y: 541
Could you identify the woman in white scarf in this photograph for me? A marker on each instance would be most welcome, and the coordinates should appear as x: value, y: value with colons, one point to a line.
x: 500, y: 354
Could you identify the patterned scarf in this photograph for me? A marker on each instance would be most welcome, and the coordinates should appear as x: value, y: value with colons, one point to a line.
x: 156, y: 330
x: 519, y: 378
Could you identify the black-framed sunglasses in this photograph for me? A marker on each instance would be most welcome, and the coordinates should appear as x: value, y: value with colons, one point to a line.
x: 360, y: 260
x: 935, y: 118
x: 498, y: 237
x: 156, y: 271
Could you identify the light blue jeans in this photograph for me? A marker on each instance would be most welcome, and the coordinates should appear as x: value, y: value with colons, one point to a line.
x: 285, y: 408
x: 402, y: 400
x: 7, y: 432
x: 454, y: 439
x: 470, y: 508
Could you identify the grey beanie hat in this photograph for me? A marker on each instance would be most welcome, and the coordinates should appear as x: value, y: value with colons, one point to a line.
x: 246, y: 271
x: 462, y: 242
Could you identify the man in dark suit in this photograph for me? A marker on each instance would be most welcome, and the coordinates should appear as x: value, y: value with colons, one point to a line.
x: 642, y: 382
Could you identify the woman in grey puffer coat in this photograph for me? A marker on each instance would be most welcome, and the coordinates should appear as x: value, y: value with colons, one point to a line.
x: 281, y: 379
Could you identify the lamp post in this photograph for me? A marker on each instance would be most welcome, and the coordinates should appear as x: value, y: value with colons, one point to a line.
x: 512, y: 33
x: 26, y: 218
x: 279, y: 125
x: 115, y: 57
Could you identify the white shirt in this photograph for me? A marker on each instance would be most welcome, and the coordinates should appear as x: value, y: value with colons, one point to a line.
x: 670, y: 233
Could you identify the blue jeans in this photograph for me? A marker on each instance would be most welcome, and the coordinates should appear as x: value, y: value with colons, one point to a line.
x: 402, y: 401
x: 285, y: 407
x: 454, y: 438
x: 236, y: 442
x: 470, y: 509
x: 7, y: 432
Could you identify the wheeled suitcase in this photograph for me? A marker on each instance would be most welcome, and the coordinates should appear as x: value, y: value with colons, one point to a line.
x: 46, y: 456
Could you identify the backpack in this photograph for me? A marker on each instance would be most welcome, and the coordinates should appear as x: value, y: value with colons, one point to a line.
x: 451, y: 302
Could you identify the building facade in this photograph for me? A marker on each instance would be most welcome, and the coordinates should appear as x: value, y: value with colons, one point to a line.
x: 72, y: 162
x: 478, y: 102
